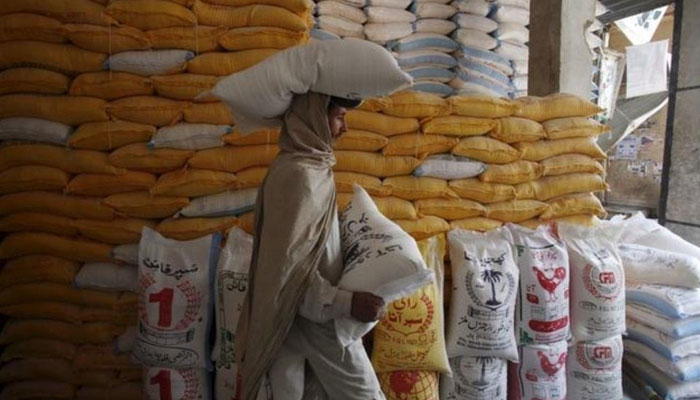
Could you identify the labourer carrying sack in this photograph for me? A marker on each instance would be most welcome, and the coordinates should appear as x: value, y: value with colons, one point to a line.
x: 287, y: 329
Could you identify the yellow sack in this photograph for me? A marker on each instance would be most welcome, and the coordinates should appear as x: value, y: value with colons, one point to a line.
x: 128, y: 390
x: 380, y: 123
x: 37, y: 389
x: 482, y: 106
x: 109, y: 135
x: 32, y: 177
x: 33, y: 80
x: 110, y: 85
x: 574, y: 204
x: 457, y: 125
x: 450, y: 209
x: 554, y: 186
x: 68, y: 11
x: 392, y: 207
x: 54, y: 203
x: 556, y: 105
x: 533, y: 223
x: 418, y: 145
x: 200, y: 39
x: 38, y: 222
x: 194, y: 183
x: 374, y: 164
x: 562, y: 128
x: 515, y: 210
x: 514, y: 129
x: 58, y: 311
x: 151, y: 14
x: 139, y: 157
x: 209, y: 113
x: 410, y: 385
x: 482, y: 192
x: 360, y: 141
x: 512, y: 173
x: 108, y: 40
x: 415, y: 188
x: 192, y: 228
x: 65, y: 109
x: 250, y: 15
x: 39, y: 348
x: 101, y: 357
x: 62, y: 58
x: 569, y: 164
x: 149, y: 110
x: 247, y: 222
x: 183, y: 86
x: 583, y: 220
x: 234, y: 159
x: 262, y: 38
x: 117, y: 231
x: 412, y: 104
x: 411, y: 336
x: 65, y: 293
x: 73, y: 161
x: 145, y: 205
x: 251, y: 177
x: 31, y: 27
x: 487, y: 150
x: 105, y: 185
x: 266, y: 136
x: 344, y: 182
x: 297, y: 6
x: 29, y: 269
x: 35, y: 243
x: 479, y: 224
x: 22, y: 329
x: 538, y: 151
x: 222, y: 64
x: 375, y: 104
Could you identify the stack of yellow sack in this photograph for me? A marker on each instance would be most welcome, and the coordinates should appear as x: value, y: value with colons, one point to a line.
x: 95, y: 97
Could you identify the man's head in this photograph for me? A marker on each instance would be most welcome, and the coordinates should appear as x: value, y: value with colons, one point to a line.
x: 337, y: 108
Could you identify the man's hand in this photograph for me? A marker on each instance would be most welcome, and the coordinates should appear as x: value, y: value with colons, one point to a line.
x: 367, y: 307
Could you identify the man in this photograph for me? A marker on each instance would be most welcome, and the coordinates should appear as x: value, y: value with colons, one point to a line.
x: 287, y: 331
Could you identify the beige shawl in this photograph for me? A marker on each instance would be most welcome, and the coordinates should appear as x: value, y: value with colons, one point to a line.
x: 293, y: 218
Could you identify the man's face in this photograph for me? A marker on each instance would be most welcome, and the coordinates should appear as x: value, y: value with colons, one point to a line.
x: 336, y: 121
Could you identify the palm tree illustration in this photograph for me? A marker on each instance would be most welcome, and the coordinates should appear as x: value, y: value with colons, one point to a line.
x: 481, y: 382
x: 492, y: 277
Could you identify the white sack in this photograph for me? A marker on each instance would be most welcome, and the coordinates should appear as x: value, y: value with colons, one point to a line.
x: 436, y: 88
x: 348, y: 68
x: 674, y: 327
x: 34, y: 130
x: 486, y: 72
x: 149, y: 62
x: 354, y: 3
x: 341, y: 26
x: 379, y: 257
x: 489, y: 58
x: 433, y: 10
x: 653, y: 266
x: 515, y: 3
x: 231, y: 288
x: 433, y: 25
x: 541, y: 373
x: 448, y: 167
x: 472, y: 85
x: 594, y: 370
x: 543, y: 312
x: 126, y: 341
x: 170, y: 384
x: 521, y: 67
x: 512, y: 51
x: 382, y: 33
x: 126, y: 253
x: 229, y: 203
x: 476, y: 7
x: 475, y: 378
x: 186, y: 136
x: 430, y: 75
x: 176, y: 280
x: 685, y: 369
x: 512, y: 32
x: 520, y: 82
x: 597, y: 283
x: 319, y: 34
x: 474, y: 38
x: 396, y: 4
x: 338, y: 9
x: 485, y: 285
x: 667, y: 387
x: 513, y: 14
x: 424, y: 41
x: 107, y: 276
x: 673, y: 302
x: 425, y: 58
x: 386, y: 15
x: 476, y: 22
x: 671, y: 348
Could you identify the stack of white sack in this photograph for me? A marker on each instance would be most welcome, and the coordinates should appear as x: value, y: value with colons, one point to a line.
x: 388, y: 20
x: 482, y: 69
x: 662, y: 270
x: 513, y: 17
x: 339, y: 19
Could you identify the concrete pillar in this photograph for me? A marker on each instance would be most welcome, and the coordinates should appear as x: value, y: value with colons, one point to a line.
x: 560, y: 60
x: 679, y: 206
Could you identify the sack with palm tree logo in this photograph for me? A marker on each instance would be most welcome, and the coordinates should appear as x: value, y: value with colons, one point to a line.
x: 475, y: 378
x: 485, y: 284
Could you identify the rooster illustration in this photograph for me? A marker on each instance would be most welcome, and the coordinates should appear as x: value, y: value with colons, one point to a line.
x: 549, y: 368
x: 550, y: 284
x: 402, y: 383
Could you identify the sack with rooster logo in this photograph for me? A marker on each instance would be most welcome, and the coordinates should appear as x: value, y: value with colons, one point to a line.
x: 541, y: 373
x: 475, y: 378
x: 175, y: 302
x: 597, y: 282
x: 169, y: 384
x: 409, y: 385
x: 594, y: 370
x: 485, y: 285
x: 543, y: 311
